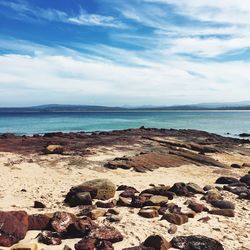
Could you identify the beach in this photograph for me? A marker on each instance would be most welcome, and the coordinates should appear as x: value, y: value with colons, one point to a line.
x: 32, y: 175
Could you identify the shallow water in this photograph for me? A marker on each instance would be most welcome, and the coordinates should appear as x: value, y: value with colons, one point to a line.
x: 221, y: 122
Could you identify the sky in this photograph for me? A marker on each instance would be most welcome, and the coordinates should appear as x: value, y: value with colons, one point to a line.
x: 124, y: 52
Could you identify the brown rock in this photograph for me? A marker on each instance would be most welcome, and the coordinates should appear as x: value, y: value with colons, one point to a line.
x: 157, y: 242
x: 162, y: 191
x: 179, y: 189
x: 54, y: 149
x: 39, y: 222
x: 148, y: 213
x: 38, y: 204
x: 226, y: 180
x: 205, y: 219
x: 139, y: 201
x: 85, y: 244
x: 106, y: 204
x: 49, y: 238
x: 96, y: 213
x: 212, y: 195
x: 104, y: 245
x: 172, y: 229
x: 157, y: 200
x: 61, y: 221
x: 124, y: 202
x: 14, y: 226
x: 197, y: 207
x: 113, y: 211
x: 223, y: 212
x: 177, y: 219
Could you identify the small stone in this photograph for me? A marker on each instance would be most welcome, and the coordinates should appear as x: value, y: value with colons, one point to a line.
x: 246, y: 179
x: 148, y: 213
x: 106, y: 204
x: 113, y: 211
x: 177, y: 219
x: 226, y: 180
x: 54, y: 149
x: 235, y: 165
x: 49, y: 238
x: 172, y: 229
x: 157, y: 200
x: 212, y: 195
x: 114, y: 218
x: 197, y: 207
x: 38, y: 204
x: 208, y: 187
x: 85, y: 244
x: 24, y: 247
x: 96, y: 213
x: 194, y: 188
x: 246, y: 165
x: 223, y: 204
x: 139, y: 201
x: 205, y: 219
x: 179, y: 189
x: 223, y: 212
x: 39, y: 222
x: 66, y: 247
x: 104, y: 245
x: 124, y: 202
x: 156, y: 242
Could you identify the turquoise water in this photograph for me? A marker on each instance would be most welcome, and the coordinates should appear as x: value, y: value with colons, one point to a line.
x: 221, y: 122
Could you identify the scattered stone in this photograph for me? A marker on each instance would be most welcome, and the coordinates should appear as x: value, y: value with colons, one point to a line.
x: 157, y: 200
x: 197, y: 207
x: 14, y: 226
x: 66, y: 247
x: 208, y: 187
x: 85, y: 244
x: 223, y: 212
x: 38, y: 204
x: 106, y: 233
x: 162, y: 190
x: 49, y: 238
x: 54, y: 149
x: 172, y: 229
x: 162, y: 210
x: 106, y: 204
x: 173, y: 208
x: 156, y: 242
x: 177, y: 219
x: 24, y: 247
x: 125, y: 187
x: 104, y: 245
x: 196, y: 242
x: 226, y: 180
x: 246, y: 165
x: 148, y: 213
x: 124, y: 202
x: 96, y: 213
x: 61, y: 221
x: 39, y: 222
x: 139, y: 201
x: 246, y: 179
x: 82, y: 198
x: 223, y: 204
x: 194, y: 188
x: 86, y: 209
x: 205, y: 219
x: 128, y: 193
x: 235, y: 165
x: 212, y: 195
x: 180, y: 189
x: 114, y: 218
x: 113, y: 211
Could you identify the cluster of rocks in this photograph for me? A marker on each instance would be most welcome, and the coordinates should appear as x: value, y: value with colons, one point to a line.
x: 240, y: 187
x: 95, y: 199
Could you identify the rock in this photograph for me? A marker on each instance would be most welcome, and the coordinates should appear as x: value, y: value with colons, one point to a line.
x: 177, y: 219
x: 106, y: 233
x: 124, y: 202
x: 85, y: 244
x: 139, y: 201
x: 49, y: 238
x: 96, y: 213
x: 190, y: 214
x: 113, y: 211
x: 148, y: 213
x: 172, y: 229
x: 82, y: 198
x: 39, y: 222
x: 196, y: 242
x: 180, y: 189
x: 212, y: 195
x: 208, y: 187
x: 246, y: 179
x: 86, y: 209
x: 128, y: 193
x: 195, y: 189
x: 54, y: 149
x: 66, y: 247
x: 162, y: 210
x: 223, y: 204
x: 237, y: 190
x: 14, y: 226
x: 197, y: 207
x: 173, y: 208
x: 38, y: 204
x: 101, y: 189
x: 237, y: 184
x: 106, y: 204
x: 24, y: 247
x: 226, y: 180
x: 223, y: 212
x: 104, y: 245
x: 61, y: 221
x: 157, y: 242
x: 114, y: 218
x: 163, y: 191
x: 205, y: 219
x: 235, y: 165
x: 246, y: 165
x: 157, y: 200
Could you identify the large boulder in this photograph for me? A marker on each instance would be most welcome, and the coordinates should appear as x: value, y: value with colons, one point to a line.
x: 196, y: 242
x: 14, y: 226
x: 101, y: 189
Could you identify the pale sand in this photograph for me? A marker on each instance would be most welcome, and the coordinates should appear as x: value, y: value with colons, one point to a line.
x: 48, y: 178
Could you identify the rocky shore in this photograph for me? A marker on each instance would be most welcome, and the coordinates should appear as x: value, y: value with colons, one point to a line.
x: 131, y: 189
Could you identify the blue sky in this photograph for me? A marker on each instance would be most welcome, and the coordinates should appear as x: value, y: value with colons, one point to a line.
x: 124, y: 52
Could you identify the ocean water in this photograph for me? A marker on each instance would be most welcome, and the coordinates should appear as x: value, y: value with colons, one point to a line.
x: 220, y: 122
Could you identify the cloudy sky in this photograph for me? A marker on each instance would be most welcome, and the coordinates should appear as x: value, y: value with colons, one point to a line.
x: 124, y: 52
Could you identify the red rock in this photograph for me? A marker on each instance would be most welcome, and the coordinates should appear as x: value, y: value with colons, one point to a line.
x: 177, y: 219
x: 138, y: 201
x: 157, y: 242
x: 49, y: 238
x: 14, y: 226
x: 39, y: 222
x: 197, y: 207
x: 85, y: 244
x: 106, y: 204
x: 128, y: 193
x: 179, y: 189
x: 104, y: 245
x: 223, y: 212
x: 106, y: 233
x: 61, y: 221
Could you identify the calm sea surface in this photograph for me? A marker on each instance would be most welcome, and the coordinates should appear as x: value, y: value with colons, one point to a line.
x: 221, y: 122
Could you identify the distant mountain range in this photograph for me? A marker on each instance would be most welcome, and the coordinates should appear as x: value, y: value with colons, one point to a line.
x: 245, y: 105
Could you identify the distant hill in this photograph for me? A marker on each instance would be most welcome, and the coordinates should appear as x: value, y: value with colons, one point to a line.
x: 92, y: 108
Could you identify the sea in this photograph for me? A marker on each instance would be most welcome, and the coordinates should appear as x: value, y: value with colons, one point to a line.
x: 229, y: 123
